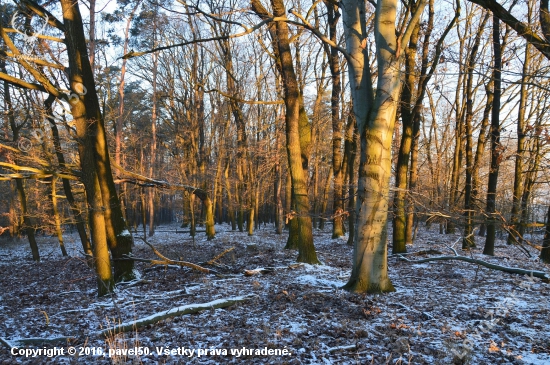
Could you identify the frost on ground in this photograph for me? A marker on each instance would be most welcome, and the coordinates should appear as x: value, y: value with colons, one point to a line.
x: 445, y: 312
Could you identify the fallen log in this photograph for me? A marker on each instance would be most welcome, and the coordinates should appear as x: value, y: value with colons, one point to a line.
x: 512, y: 270
x: 269, y: 270
x: 171, y: 313
x: 35, y: 341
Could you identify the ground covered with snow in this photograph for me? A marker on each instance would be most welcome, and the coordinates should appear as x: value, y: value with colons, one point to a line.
x: 444, y: 312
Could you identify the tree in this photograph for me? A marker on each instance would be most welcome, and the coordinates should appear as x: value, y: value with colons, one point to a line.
x: 495, y: 140
x: 297, y: 134
x: 375, y: 118
x: 107, y: 225
x: 412, y: 99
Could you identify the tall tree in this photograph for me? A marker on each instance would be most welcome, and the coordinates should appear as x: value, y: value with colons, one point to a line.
x: 375, y: 118
x: 298, y: 134
x: 496, y: 150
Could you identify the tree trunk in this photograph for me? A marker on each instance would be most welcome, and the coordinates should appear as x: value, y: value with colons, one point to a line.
x: 469, y: 208
x: 230, y: 211
x: 402, y: 168
x: 375, y: 119
x: 75, y: 209
x: 351, y: 150
x: 545, y: 252
x: 27, y: 222
x: 29, y: 228
x: 294, y: 131
x: 278, y: 201
x: 489, y: 248
x: 337, y: 124
x: 153, y: 151
x: 57, y: 218
x: 93, y: 147
x: 324, y: 201
x: 518, y: 168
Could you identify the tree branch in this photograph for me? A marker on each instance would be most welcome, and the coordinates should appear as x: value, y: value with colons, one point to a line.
x: 42, y: 12
x: 513, y: 270
x: 275, y: 102
x: 20, y: 83
x: 521, y: 28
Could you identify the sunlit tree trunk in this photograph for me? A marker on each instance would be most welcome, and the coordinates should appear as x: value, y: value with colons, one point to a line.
x: 518, y: 168
x: 306, y: 250
x: 94, y: 150
x: 375, y: 119
x: 402, y: 168
x: 469, y: 208
x: 75, y: 209
x: 57, y: 218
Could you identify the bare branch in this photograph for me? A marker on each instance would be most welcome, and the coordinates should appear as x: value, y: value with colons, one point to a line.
x: 275, y: 102
x: 20, y: 83
x: 521, y: 28
x: 512, y: 270
x: 42, y: 12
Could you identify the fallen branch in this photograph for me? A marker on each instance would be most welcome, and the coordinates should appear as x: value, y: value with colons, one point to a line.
x: 36, y: 341
x: 263, y: 271
x: 341, y: 348
x: 220, y: 256
x: 166, y: 262
x: 268, y: 270
x: 418, y: 253
x: 174, y: 312
x: 512, y: 270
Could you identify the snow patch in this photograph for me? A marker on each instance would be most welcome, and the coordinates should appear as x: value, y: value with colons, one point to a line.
x: 125, y: 233
x: 314, y: 281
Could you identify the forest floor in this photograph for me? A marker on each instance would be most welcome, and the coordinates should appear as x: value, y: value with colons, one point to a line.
x: 444, y: 312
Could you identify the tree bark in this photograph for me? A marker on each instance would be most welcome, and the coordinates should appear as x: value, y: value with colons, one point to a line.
x: 75, y: 209
x: 94, y: 149
x: 375, y: 121
x: 402, y: 169
x: 294, y: 132
x: 520, y: 130
x: 489, y: 248
x: 545, y: 252
x: 337, y: 123
x: 57, y: 218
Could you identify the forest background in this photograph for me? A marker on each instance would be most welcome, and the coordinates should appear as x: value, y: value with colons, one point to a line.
x: 293, y: 114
